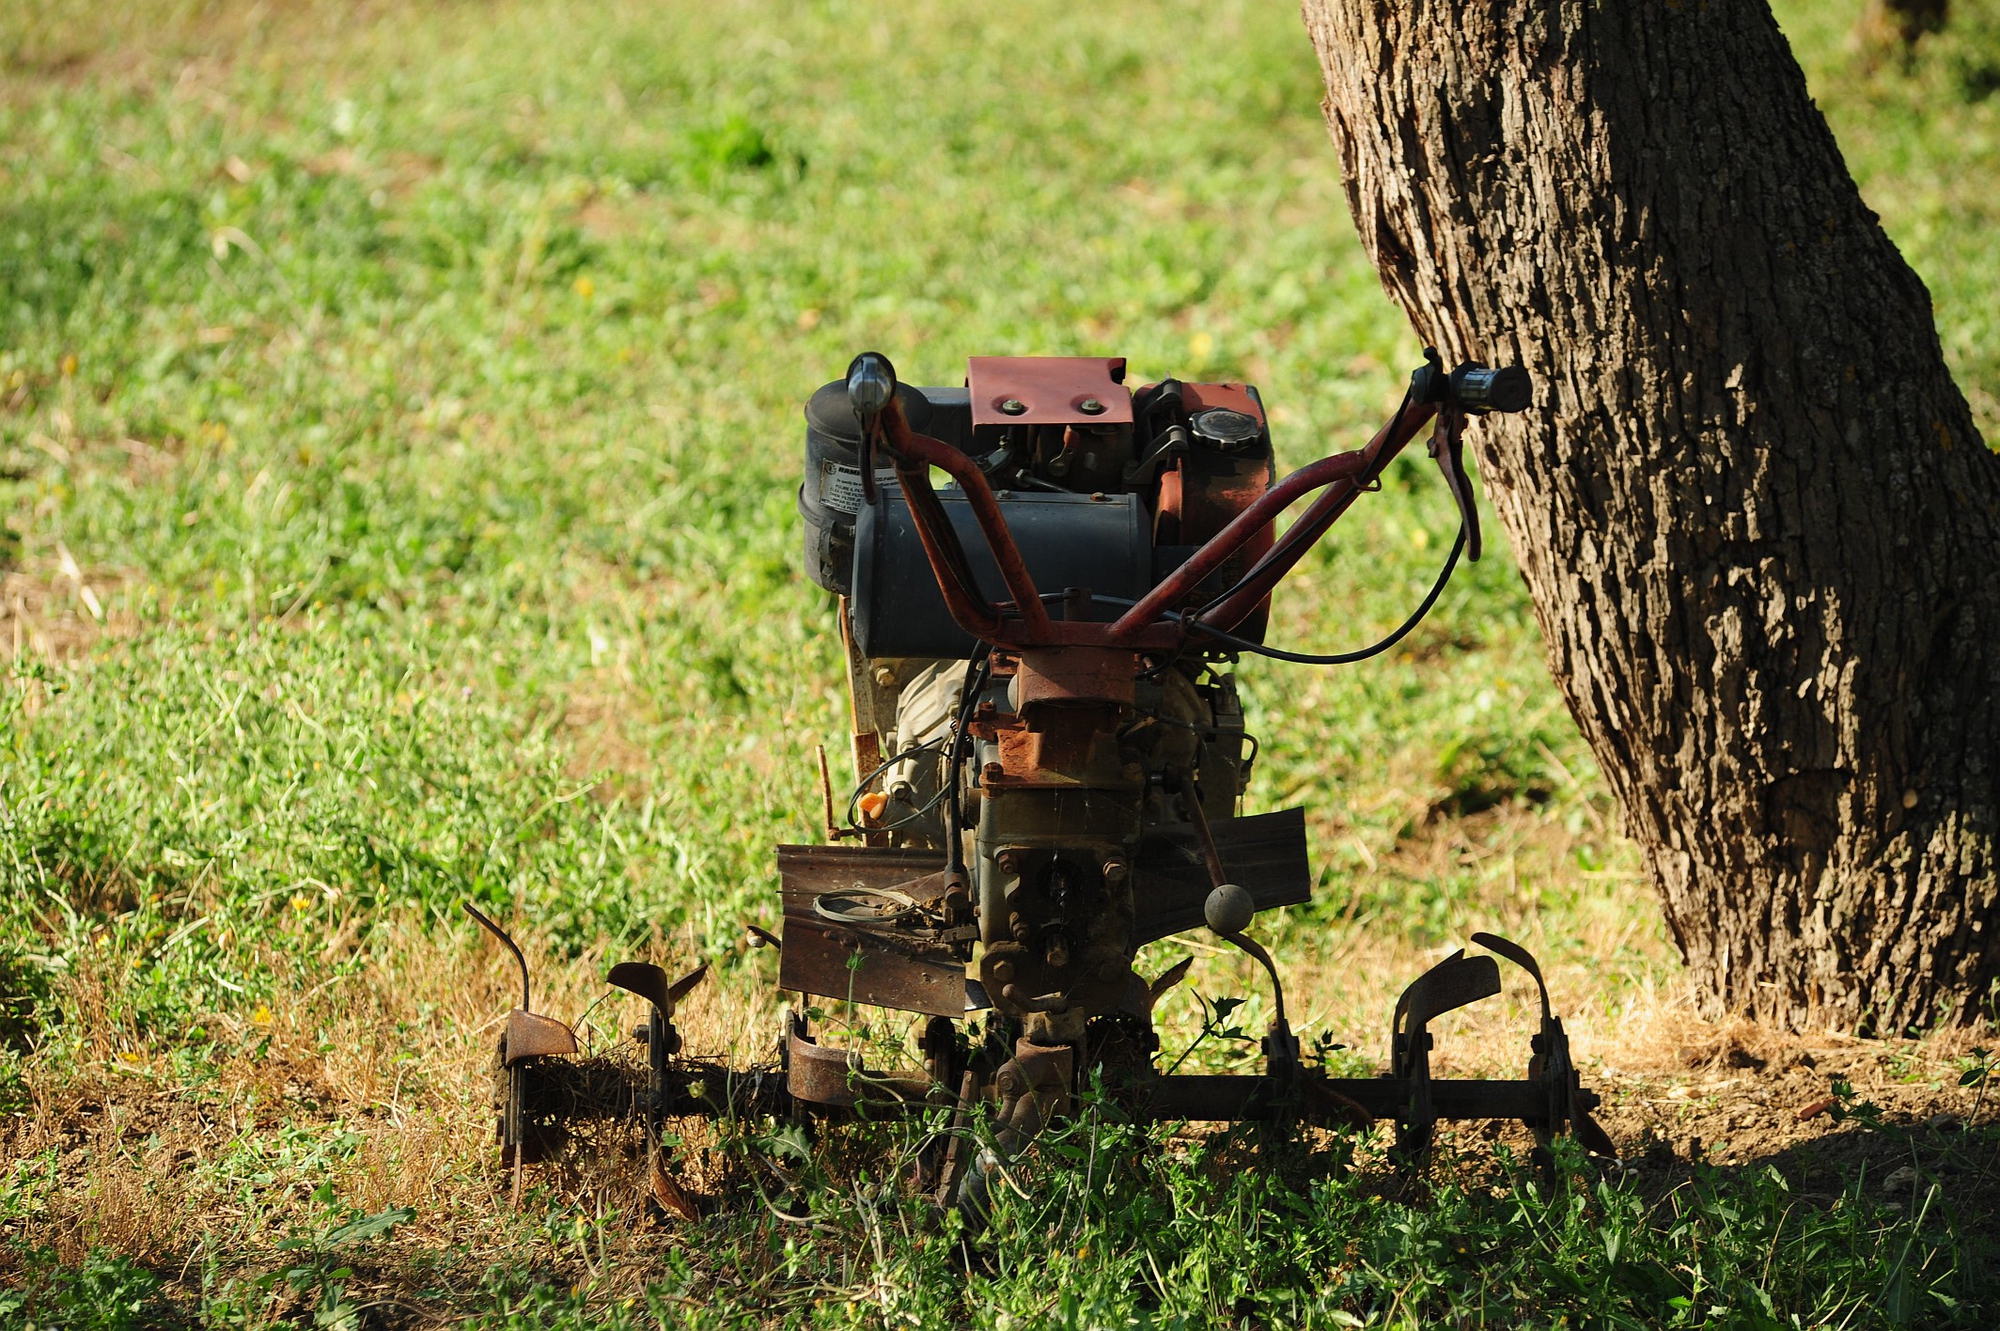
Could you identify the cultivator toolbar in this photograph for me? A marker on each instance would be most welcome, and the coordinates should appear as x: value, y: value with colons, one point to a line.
x: 1047, y: 781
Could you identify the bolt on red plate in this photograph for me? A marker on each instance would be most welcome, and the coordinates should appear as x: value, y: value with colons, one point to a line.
x: 1049, y: 390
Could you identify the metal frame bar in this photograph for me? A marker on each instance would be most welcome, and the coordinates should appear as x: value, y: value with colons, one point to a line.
x: 1341, y: 475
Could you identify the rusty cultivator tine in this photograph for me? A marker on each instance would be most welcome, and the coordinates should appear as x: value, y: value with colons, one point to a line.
x: 1168, y: 978
x: 650, y: 983
x: 1445, y: 987
x: 502, y: 935
x: 663, y: 1041
x: 523, y: 1073
x: 1551, y: 1064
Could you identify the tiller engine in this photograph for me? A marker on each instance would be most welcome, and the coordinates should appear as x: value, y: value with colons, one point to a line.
x: 1050, y: 753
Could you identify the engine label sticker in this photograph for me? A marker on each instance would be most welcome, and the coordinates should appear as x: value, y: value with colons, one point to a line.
x: 840, y: 486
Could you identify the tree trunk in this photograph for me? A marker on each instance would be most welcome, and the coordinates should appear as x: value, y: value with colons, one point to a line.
x: 1761, y: 531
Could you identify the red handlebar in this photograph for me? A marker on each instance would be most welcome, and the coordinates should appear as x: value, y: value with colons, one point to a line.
x: 1150, y: 624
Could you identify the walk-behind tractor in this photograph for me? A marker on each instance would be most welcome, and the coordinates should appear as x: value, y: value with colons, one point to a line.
x: 1050, y: 752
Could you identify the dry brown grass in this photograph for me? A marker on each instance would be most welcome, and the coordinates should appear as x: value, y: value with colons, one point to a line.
x: 390, y: 1034
x: 47, y: 44
x: 390, y: 1030
x: 387, y: 1038
x: 388, y: 1057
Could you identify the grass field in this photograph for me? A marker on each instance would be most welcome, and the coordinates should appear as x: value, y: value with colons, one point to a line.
x: 399, y: 422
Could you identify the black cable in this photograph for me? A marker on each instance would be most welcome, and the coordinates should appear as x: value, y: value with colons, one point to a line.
x: 914, y: 816
x: 1372, y: 479
x: 1235, y: 643
x: 1348, y: 658
x: 861, y: 787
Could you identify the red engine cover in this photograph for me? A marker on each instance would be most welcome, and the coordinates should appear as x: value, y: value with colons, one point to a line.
x: 1207, y: 489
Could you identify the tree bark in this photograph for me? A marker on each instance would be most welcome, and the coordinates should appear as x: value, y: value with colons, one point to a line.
x: 1761, y: 531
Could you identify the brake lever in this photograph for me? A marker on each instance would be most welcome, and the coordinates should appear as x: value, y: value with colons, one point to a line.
x: 1448, y: 450
x: 1474, y: 389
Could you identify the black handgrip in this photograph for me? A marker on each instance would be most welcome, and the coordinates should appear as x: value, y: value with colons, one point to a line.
x: 871, y: 382
x: 1483, y: 388
x: 871, y: 387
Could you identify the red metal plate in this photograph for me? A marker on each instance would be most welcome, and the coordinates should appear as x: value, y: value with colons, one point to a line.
x: 1050, y: 389
x: 1235, y: 397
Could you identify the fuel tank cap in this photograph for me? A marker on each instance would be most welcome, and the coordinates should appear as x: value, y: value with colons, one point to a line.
x: 1226, y: 430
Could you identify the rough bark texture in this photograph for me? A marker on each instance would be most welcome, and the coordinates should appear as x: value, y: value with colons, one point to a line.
x: 1759, y: 526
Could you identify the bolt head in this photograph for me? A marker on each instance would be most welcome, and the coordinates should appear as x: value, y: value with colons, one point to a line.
x: 1013, y: 406
x: 1090, y: 406
x: 1229, y: 909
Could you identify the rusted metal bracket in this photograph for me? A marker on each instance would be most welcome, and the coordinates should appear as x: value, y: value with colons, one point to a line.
x: 1033, y: 1087
x: 837, y: 1078
x: 834, y: 831
x: 906, y: 963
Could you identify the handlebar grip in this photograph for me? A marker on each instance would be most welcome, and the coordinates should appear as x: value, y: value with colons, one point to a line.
x: 1482, y: 388
x: 871, y: 384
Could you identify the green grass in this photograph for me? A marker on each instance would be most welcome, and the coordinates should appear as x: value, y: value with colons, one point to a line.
x: 399, y: 418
